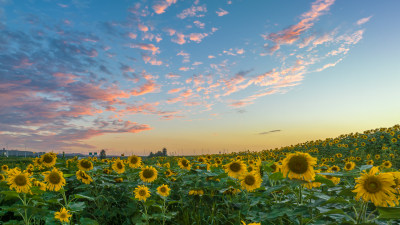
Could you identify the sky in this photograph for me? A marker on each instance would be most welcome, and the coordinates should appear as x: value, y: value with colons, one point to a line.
x: 194, y: 76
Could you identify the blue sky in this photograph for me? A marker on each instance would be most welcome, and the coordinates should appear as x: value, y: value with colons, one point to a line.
x: 194, y: 76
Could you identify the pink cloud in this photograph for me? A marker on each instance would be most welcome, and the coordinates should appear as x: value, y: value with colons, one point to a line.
x: 152, y: 60
x: 170, y: 31
x: 292, y: 34
x: 192, y: 12
x: 132, y: 35
x: 172, y: 76
x: 221, y: 12
x: 363, y: 20
x: 175, y: 90
x: 240, y: 51
x: 180, y: 39
x: 184, y: 68
x: 211, y: 56
x: 160, y: 7
x: 149, y: 87
x: 146, y: 47
x: 199, y: 24
x: 143, y: 28
x: 197, y: 37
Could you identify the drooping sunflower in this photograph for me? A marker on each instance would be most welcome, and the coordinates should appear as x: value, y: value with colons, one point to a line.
x: 299, y: 166
x: 142, y: 193
x: 198, y: 192
x: 118, y: 166
x: 49, y: 159
x: 63, y: 215
x: 235, y: 169
x: 41, y: 185
x: 54, y: 179
x: 20, y: 181
x: 184, y: 163
x: 85, y: 165
x: 349, y: 166
x: 134, y: 161
x: 168, y: 173
x: 163, y: 190
x: 148, y: 174
x: 84, y: 177
x: 251, y: 181
x: 231, y: 191
x: 376, y: 187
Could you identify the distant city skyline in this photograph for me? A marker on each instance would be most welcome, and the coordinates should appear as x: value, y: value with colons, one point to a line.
x: 194, y: 76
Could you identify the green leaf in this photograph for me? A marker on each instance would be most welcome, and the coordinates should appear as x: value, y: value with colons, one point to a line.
x: 77, y: 206
x: 365, y: 167
x: 276, y: 176
x: 389, y: 212
x: 88, y: 221
x: 84, y: 197
x: 324, y: 180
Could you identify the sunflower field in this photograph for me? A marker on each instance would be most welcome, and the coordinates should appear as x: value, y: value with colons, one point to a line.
x: 350, y: 179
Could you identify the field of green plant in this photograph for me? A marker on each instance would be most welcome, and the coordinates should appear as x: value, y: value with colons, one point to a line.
x: 350, y: 179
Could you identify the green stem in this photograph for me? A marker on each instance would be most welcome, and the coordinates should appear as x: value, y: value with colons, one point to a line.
x: 164, y: 209
x: 145, y: 213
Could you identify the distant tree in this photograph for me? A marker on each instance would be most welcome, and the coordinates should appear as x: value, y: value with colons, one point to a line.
x: 151, y: 154
x: 164, y: 152
x: 63, y: 157
x: 103, y: 154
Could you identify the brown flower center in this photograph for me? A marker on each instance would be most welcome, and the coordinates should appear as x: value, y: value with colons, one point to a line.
x: 86, y: 164
x: 48, y: 158
x: 134, y: 160
x: 250, y: 180
x: 142, y: 192
x: 119, y: 165
x: 54, y: 178
x: 20, y: 180
x: 185, y: 163
x: 148, y: 173
x: 163, y: 190
x: 235, y: 167
x: 372, y: 185
x: 298, y: 164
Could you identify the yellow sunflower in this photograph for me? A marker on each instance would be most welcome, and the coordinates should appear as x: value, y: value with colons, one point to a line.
x: 118, y: 179
x: 235, y: 169
x: 40, y: 185
x: 54, y: 179
x: 196, y: 192
x: 20, y: 181
x: 84, y: 177
x: 85, y: 165
x: 376, y: 187
x: 2, y: 177
x: 251, y: 181
x: 4, y: 168
x: 49, y: 159
x: 387, y: 164
x: 335, y: 180
x: 184, y: 164
x: 134, y: 161
x: 349, y: 166
x: 142, y: 193
x: 63, y: 215
x: 163, y: 190
x: 243, y: 223
x: 148, y: 174
x: 299, y: 166
x: 118, y: 166
x: 370, y: 162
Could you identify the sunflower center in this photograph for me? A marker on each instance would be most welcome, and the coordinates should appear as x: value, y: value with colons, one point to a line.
x: 235, y: 167
x: 298, y: 164
x: 328, y: 176
x: 54, y: 178
x: 5, y: 167
x: 63, y: 215
x: 86, y: 164
x: 163, y: 190
x: 142, y: 192
x: 147, y: 173
x: 20, y: 180
x: 334, y: 169
x: 185, y: 163
x: 372, y: 185
x: 134, y: 160
x: 119, y: 165
x: 250, y: 180
x: 348, y: 166
x: 273, y: 167
x: 48, y: 159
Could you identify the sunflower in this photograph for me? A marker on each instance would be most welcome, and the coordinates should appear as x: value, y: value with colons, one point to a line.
x: 85, y: 165
x: 387, y: 164
x: 231, y: 191
x: 118, y: 166
x: 168, y: 173
x: 370, y: 162
x: 349, y: 166
x: 196, y: 192
x: 2, y: 177
x: 251, y: 181
x: 396, y: 176
x: 40, y: 185
x: 311, y: 185
x: 118, y: 179
x: 4, y: 168
x: 54, y: 179
x: 377, y: 156
x: 142, y: 193
x: 83, y: 176
x: 335, y: 180
x: 243, y: 223
x: 20, y: 181
x: 148, y: 174
x: 49, y: 159
x: 163, y: 190
x: 377, y: 187
x: 134, y: 161
x: 235, y: 169
x: 63, y: 215
x: 184, y: 164
x: 299, y: 166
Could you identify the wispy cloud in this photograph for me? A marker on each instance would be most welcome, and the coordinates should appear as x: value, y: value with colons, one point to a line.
x: 363, y: 20
x: 269, y: 132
